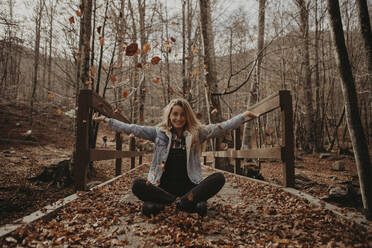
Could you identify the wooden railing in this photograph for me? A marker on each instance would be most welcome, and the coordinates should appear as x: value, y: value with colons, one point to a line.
x: 285, y: 152
x: 88, y: 100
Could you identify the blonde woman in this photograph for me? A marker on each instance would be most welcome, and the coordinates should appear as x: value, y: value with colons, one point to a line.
x: 175, y: 170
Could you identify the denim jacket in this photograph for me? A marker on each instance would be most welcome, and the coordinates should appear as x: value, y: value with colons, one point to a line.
x: 162, y: 139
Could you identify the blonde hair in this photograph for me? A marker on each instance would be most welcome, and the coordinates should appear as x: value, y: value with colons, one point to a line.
x: 192, y: 123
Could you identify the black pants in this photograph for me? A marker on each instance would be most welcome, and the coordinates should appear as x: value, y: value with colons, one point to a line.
x: 200, y: 192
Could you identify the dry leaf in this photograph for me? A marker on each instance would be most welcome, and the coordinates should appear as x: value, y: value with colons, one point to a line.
x: 112, y: 78
x: 71, y: 20
x: 125, y: 94
x: 155, y: 60
x: 188, y: 58
x: 190, y: 197
x: 148, y: 182
x: 59, y: 112
x: 99, y: 29
x: 101, y: 41
x: 156, y: 80
x: 220, y: 127
x: 173, y: 39
x: 78, y: 13
x: 146, y: 48
x: 50, y: 95
x: 138, y: 51
x: 131, y: 49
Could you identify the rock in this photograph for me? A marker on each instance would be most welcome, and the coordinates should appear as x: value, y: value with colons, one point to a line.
x: 338, y: 166
x: 324, y: 155
x: 93, y: 184
x: 334, y: 178
x: 302, y: 177
x: 298, y: 166
x: 337, y: 192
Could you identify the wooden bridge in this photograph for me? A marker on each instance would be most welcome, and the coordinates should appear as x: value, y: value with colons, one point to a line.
x: 245, y: 213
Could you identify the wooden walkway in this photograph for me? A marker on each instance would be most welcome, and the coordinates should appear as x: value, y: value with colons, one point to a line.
x: 246, y: 213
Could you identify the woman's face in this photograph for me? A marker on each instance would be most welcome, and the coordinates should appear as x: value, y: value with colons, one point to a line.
x: 177, y: 117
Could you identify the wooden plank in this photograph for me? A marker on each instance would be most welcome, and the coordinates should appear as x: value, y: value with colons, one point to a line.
x: 96, y: 154
x: 266, y: 105
x: 100, y: 105
x: 273, y: 153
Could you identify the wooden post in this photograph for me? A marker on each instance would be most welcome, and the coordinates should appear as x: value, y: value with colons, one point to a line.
x: 132, y: 147
x: 82, y: 144
x: 119, y: 146
x: 237, y: 145
x: 288, y: 138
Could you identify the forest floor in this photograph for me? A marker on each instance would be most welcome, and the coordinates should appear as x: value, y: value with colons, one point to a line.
x: 23, y: 157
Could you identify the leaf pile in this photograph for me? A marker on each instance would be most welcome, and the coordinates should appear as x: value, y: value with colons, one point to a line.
x: 243, y: 214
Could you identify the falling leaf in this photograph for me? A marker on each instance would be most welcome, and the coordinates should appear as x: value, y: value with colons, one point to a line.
x: 219, y: 126
x: 155, y: 60
x: 176, y: 54
x: 169, y: 50
x: 166, y: 44
x: 59, y: 112
x: 138, y: 51
x: 78, y: 13
x: 93, y: 69
x: 101, y: 41
x: 139, y: 65
x: 214, y: 111
x: 74, y: 48
x: 121, y: 136
x: 173, y: 39
x: 156, y: 80
x: 205, y: 66
x: 190, y: 197
x: 125, y: 94
x: 148, y: 182
x: 50, y: 95
x: 174, y: 23
x: 146, y: 48
x: 99, y: 29
x: 188, y: 58
x: 112, y: 78
x: 193, y: 50
x: 71, y: 20
x: 131, y: 49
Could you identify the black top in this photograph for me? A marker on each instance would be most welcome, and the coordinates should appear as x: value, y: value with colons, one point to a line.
x: 175, y: 179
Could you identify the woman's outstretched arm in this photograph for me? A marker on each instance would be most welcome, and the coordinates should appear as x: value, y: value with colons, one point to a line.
x: 217, y: 129
x: 144, y: 132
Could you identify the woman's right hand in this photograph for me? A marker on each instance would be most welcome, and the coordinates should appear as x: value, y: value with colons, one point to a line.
x: 100, y: 118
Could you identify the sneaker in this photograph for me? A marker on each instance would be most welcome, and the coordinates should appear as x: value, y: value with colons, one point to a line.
x: 151, y: 208
x: 201, y: 208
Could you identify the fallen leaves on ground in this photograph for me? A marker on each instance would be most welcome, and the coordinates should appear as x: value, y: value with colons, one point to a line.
x: 254, y: 215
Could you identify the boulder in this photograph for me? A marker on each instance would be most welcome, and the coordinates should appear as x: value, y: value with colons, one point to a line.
x: 338, y: 166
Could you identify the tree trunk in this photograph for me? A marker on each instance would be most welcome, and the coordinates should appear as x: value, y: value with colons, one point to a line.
x: 210, y: 65
x: 40, y: 6
x: 307, y: 87
x: 143, y: 37
x: 253, y: 94
x: 365, y: 28
x: 354, y: 123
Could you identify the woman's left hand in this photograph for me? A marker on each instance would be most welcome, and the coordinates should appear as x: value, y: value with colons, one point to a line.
x: 250, y: 115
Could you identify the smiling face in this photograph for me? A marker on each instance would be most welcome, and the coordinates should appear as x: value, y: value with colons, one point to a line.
x: 177, y: 117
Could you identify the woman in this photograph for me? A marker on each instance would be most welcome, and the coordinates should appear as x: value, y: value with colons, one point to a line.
x: 175, y: 169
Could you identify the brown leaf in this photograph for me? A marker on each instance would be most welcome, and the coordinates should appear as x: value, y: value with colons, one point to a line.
x: 50, y: 95
x: 173, y: 39
x: 101, y: 41
x: 156, y: 80
x: 112, y: 78
x: 59, y: 112
x: 125, y: 94
x: 93, y: 69
x: 155, y: 60
x: 78, y: 13
x: 71, y: 20
x: 99, y: 29
x: 146, y: 48
x: 190, y: 197
x: 139, y: 65
x: 220, y: 127
x: 138, y: 51
x: 188, y: 58
x: 148, y: 182
x: 131, y: 49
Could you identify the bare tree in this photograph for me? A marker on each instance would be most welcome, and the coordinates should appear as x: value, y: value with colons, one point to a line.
x: 354, y: 123
x: 38, y: 11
